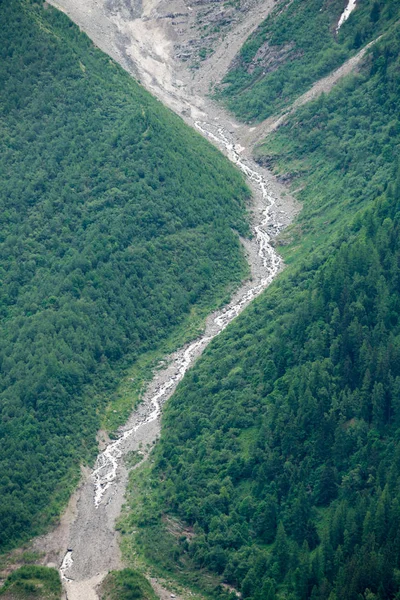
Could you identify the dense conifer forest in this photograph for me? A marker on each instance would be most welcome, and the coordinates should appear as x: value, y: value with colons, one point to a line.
x: 278, y: 472
x: 280, y: 448
x: 116, y: 219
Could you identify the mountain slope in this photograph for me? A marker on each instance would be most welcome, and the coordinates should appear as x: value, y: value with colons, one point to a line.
x: 278, y: 468
x: 294, y: 47
x: 116, y: 221
x: 342, y: 150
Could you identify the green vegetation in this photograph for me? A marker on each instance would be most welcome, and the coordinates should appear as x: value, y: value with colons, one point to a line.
x: 128, y: 392
x: 294, y: 47
x: 126, y: 585
x: 279, y: 454
x: 32, y: 583
x: 133, y: 458
x: 342, y: 149
x: 117, y: 227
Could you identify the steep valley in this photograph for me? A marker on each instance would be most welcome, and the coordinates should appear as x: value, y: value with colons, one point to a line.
x: 272, y: 473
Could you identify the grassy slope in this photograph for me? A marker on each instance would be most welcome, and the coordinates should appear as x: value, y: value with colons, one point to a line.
x: 126, y: 585
x: 341, y: 150
x: 30, y: 582
x: 117, y: 228
x: 279, y: 455
x: 294, y: 47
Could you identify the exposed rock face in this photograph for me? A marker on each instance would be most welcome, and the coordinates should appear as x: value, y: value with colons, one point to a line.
x: 178, y: 49
x: 195, y: 27
x: 129, y: 9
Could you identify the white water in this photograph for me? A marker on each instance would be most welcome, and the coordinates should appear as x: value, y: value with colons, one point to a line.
x: 346, y: 13
x: 106, y: 468
x: 66, y: 564
x: 107, y: 462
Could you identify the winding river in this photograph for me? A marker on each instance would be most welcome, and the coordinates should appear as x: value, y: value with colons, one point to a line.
x: 86, y: 545
x: 92, y: 544
x: 106, y: 468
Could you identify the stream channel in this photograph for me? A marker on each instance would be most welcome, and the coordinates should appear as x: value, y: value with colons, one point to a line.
x: 92, y: 544
x: 85, y: 546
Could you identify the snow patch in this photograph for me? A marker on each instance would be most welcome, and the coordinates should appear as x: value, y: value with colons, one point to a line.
x: 346, y: 13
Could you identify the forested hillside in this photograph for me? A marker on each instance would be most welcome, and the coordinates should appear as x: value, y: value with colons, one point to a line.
x: 341, y: 150
x: 278, y: 471
x: 294, y: 47
x: 116, y: 220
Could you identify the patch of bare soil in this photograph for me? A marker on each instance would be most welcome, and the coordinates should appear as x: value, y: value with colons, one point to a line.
x: 165, y: 594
